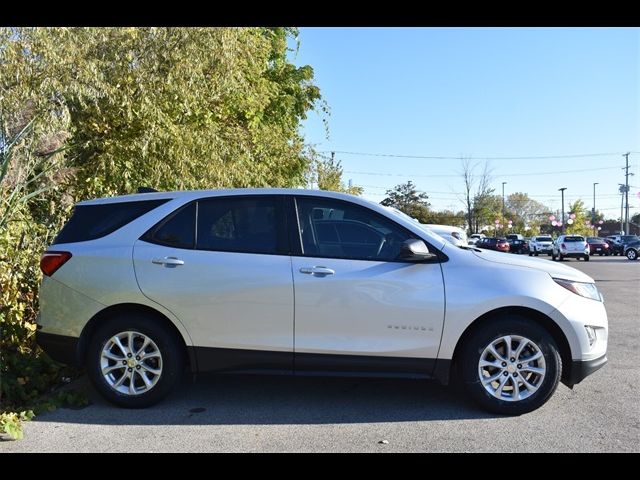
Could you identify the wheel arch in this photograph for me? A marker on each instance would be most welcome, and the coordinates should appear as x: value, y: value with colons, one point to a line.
x: 122, y: 308
x: 546, y: 322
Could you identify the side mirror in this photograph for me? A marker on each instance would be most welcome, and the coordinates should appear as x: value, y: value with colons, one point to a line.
x: 415, y: 250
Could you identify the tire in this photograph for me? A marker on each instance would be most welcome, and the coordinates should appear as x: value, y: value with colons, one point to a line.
x: 530, y: 254
x: 543, y: 386
x: 536, y: 254
x: 586, y: 258
x: 632, y: 254
x: 553, y: 257
x: 560, y: 257
x: 170, y: 362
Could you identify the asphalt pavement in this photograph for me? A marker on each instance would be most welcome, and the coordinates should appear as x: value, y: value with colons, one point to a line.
x: 224, y: 413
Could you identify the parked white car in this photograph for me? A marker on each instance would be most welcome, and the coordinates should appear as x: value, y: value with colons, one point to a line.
x: 474, y: 237
x: 455, y: 235
x: 540, y: 244
x: 570, y: 246
x: 137, y: 287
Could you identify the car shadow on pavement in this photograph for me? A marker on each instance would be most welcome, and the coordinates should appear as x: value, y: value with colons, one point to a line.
x: 275, y: 400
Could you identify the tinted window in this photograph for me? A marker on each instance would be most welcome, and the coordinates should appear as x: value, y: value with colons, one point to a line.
x: 177, y: 230
x: 330, y: 228
x: 544, y: 239
x: 573, y: 239
x: 89, y: 222
x: 240, y: 224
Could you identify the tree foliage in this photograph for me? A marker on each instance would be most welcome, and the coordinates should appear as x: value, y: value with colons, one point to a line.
x: 579, y: 225
x: 175, y: 108
x: 408, y: 199
x: 327, y: 174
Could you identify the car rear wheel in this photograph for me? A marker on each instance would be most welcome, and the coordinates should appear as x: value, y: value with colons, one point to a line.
x: 510, y: 366
x: 134, y: 361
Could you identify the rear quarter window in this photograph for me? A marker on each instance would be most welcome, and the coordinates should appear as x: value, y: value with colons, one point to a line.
x: 89, y: 222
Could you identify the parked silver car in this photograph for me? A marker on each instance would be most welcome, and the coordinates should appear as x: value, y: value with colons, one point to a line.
x: 570, y: 246
x: 135, y: 288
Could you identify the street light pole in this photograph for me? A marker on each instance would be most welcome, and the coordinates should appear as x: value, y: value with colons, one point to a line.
x: 503, y: 184
x: 562, y: 226
x: 593, y: 217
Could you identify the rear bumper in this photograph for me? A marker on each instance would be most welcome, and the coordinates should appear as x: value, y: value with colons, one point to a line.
x: 61, y: 348
x: 574, y: 254
x: 579, y: 370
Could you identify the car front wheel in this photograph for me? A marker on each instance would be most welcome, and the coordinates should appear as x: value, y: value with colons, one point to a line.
x: 134, y: 361
x: 510, y: 366
x: 632, y: 254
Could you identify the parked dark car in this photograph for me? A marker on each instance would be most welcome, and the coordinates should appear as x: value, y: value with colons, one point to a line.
x: 597, y: 246
x: 518, y: 246
x: 632, y: 250
x: 493, y: 243
x: 614, y: 248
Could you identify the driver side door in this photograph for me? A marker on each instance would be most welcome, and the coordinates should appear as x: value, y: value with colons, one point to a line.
x: 357, y: 307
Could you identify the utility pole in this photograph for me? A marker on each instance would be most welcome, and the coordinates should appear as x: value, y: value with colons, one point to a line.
x: 626, y: 194
x: 503, y: 184
x: 593, y: 217
x: 562, y: 221
x: 621, y: 190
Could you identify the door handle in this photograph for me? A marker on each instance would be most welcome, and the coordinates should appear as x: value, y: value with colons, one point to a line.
x: 317, y: 271
x: 170, y: 262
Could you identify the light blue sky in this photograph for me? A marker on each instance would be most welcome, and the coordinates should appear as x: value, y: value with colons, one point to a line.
x: 481, y: 92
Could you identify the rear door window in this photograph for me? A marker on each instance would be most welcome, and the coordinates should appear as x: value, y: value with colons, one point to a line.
x: 252, y: 224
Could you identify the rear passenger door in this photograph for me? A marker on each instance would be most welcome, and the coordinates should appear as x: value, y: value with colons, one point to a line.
x: 221, y: 265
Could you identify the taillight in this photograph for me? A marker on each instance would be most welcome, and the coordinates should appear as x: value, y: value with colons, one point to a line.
x: 52, y: 261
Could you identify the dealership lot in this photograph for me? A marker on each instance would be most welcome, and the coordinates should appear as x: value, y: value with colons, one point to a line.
x: 250, y: 413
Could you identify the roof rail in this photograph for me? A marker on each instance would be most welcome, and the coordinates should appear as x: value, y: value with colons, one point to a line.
x: 146, y: 190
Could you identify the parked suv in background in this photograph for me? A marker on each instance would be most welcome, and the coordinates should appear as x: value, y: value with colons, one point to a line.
x: 540, y: 244
x: 305, y: 282
x: 632, y: 250
x: 570, y: 246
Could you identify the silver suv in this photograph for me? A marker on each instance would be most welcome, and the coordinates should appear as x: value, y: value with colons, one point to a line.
x: 570, y: 246
x: 137, y: 288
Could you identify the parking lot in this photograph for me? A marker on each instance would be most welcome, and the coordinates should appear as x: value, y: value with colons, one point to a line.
x: 251, y: 413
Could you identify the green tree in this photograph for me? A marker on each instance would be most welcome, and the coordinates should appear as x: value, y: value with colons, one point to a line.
x: 446, y: 217
x: 172, y: 108
x: 408, y: 199
x: 579, y: 225
x: 525, y: 212
x: 327, y: 173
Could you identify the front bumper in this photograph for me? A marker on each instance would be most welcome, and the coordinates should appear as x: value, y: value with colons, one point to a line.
x: 61, y: 348
x: 581, y: 369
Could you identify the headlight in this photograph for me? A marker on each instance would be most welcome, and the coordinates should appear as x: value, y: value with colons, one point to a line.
x: 587, y: 290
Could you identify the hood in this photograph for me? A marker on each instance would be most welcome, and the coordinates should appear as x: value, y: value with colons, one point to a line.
x: 555, y: 269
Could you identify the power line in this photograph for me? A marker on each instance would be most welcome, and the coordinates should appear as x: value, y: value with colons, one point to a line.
x: 382, y: 174
x: 459, y: 157
x: 551, y: 195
